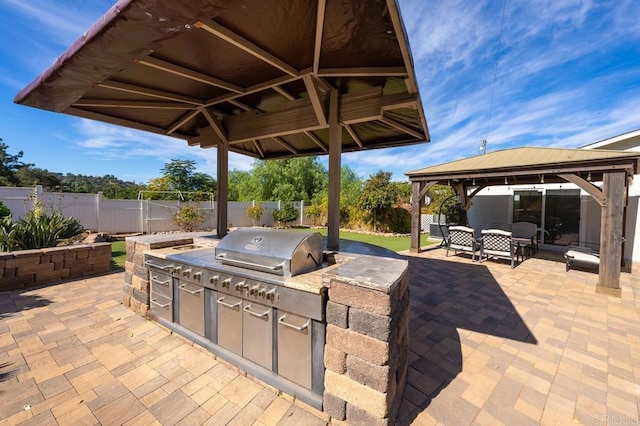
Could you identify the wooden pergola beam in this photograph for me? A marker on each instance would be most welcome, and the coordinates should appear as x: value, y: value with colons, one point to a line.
x: 236, y: 40
x: 363, y: 72
x: 216, y: 126
x: 316, y: 100
x: 317, y: 46
x: 418, y: 191
x: 109, y: 103
x: 353, y: 135
x: 611, y: 238
x: 174, y: 69
x: 587, y: 186
x: 145, y: 91
x: 182, y: 121
x: 402, y: 127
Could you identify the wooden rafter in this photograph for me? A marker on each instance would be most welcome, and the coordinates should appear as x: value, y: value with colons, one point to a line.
x: 317, y: 141
x: 316, y: 100
x: 353, y: 135
x: 215, y: 125
x: 78, y: 112
x: 109, y: 103
x: 189, y: 74
x: 285, y: 145
x: 319, y: 28
x: 258, y: 147
x: 284, y: 93
x: 363, y: 72
x: 182, y: 121
x: 402, y: 127
x: 145, y: 91
x: 271, y: 84
x: 229, y: 36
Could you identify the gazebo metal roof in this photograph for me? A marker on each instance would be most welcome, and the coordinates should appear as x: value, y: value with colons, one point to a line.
x: 252, y: 74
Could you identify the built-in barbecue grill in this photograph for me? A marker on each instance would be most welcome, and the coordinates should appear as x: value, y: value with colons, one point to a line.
x: 235, y: 300
x: 269, y: 250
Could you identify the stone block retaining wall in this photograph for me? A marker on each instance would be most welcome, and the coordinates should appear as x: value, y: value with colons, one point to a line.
x: 366, y: 352
x: 25, y: 268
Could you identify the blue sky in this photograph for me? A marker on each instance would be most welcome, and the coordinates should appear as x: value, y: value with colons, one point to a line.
x: 568, y: 74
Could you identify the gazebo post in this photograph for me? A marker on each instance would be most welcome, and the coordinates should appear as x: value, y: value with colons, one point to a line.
x: 335, y: 152
x: 614, y: 190
x: 223, y: 188
x: 416, y: 202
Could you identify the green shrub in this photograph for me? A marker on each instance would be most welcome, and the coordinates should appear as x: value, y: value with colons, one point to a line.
x: 285, y: 214
x: 39, y: 230
x: 8, y: 231
x: 189, y: 218
x: 255, y: 212
x: 4, y: 210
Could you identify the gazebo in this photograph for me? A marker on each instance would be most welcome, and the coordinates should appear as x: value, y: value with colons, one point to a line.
x: 530, y: 165
x: 269, y: 79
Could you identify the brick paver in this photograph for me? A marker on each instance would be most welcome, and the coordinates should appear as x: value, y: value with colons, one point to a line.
x: 488, y: 345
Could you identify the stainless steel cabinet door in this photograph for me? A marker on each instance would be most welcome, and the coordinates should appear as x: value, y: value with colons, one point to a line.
x: 294, y: 348
x: 257, y: 336
x: 230, y: 323
x: 192, y: 307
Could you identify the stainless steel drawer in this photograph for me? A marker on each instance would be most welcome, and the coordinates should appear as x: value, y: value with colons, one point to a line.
x: 161, y: 284
x: 294, y: 348
x: 230, y: 323
x: 191, y: 307
x: 257, y: 333
x: 162, y: 306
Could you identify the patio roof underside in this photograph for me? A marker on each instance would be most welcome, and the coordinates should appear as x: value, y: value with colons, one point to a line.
x: 529, y: 165
x: 252, y: 74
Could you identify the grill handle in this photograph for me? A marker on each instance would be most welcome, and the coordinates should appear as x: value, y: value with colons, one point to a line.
x: 295, y: 327
x: 223, y: 258
x: 248, y: 310
x: 155, y: 280
x: 164, y: 268
x: 184, y: 288
x: 160, y: 305
x: 228, y: 305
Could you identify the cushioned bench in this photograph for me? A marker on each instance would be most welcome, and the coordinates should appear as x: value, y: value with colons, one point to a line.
x: 582, y: 256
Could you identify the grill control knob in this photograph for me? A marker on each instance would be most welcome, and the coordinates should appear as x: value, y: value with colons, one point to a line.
x: 197, y: 276
x: 271, y: 295
x: 177, y: 270
x: 226, y: 283
x: 214, y: 280
x: 262, y: 292
x: 240, y: 286
x: 186, y: 272
x: 254, y: 290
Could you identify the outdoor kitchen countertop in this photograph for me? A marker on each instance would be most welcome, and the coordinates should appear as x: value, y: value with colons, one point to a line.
x: 356, y: 263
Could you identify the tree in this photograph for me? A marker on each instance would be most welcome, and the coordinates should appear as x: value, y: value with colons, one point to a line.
x: 32, y: 176
x: 285, y: 214
x: 379, y: 193
x: 255, y: 212
x: 9, y: 165
x: 180, y: 175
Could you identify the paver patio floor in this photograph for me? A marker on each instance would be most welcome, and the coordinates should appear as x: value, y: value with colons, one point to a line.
x: 488, y: 345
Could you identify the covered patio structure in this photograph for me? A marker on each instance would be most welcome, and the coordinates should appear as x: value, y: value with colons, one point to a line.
x: 530, y: 165
x: 269, y: 79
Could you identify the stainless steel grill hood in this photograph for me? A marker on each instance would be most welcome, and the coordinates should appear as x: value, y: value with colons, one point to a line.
x: 279, y: 252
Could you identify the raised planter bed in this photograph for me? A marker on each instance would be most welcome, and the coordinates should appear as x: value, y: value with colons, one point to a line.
x: 26, y: 268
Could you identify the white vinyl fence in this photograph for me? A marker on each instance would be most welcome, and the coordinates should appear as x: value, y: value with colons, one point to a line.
x: 130, y: 216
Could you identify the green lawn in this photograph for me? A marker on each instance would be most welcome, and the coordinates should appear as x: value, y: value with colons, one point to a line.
x: 392, y: 243
x: 118, y: 254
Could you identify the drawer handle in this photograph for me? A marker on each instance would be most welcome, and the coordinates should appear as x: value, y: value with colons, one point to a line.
x: 160, y: 305
x: 235, y: 305
x: 248, y: 310
x: 155, y: 280
x: 295, y: 327
x: 164, y: 268
x: 184, y: 288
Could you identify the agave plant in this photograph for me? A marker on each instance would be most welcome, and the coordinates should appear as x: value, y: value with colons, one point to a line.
x: 8, y: 230
x: 45, y: 230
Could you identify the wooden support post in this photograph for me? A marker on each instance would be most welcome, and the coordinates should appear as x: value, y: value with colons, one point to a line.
x: 614, y: 190
x: 223, y: 188
x: 335, y: 152
x: 416, y: 203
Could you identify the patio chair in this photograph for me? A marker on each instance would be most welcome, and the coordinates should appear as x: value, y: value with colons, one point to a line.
x: 497, y: 243
x: 505, y: 226
x: 462, y: 238
x: 582, y: 256
x: 526, y: 234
